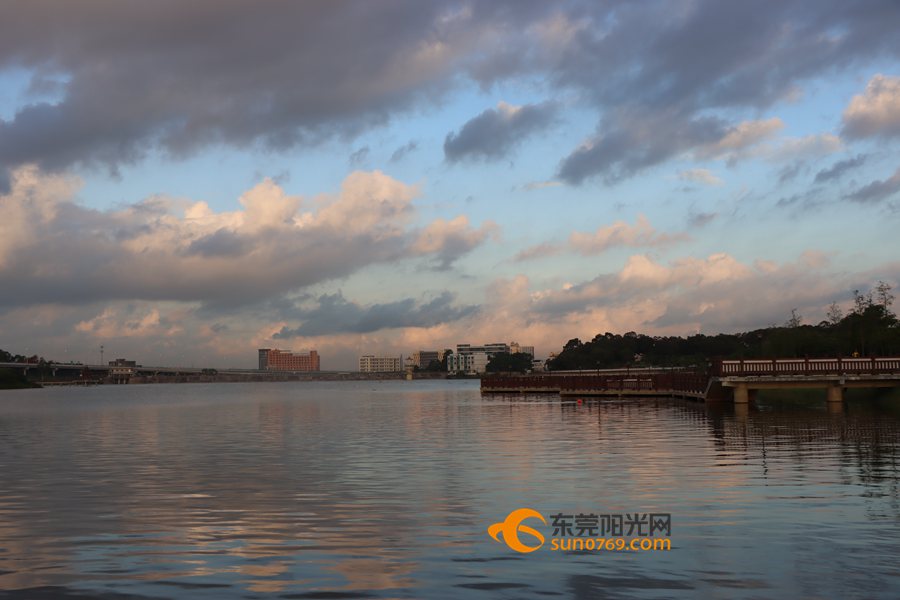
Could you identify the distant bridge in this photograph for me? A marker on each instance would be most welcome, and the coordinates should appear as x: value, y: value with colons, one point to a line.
x: 726, y: 379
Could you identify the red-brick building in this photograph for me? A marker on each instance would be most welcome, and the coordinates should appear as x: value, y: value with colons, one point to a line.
x: 283, y: 360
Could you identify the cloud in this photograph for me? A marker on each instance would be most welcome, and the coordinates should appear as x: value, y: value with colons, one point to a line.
x: 142, y: 77
x: 618, y: 234
x: 693, y: 294
x: 495, y: 132
x: 541, y: 185
x: 538, y: 251
x: 840, y: 168
x: 696, y: 220
x: 334, y: 314
x: 877, y: 190
x: 703, y: 176
x: 135, y: 78
x: 737, y: 141
x: 401, y: 152
x: 359, y: 156
x: 641, y: 234
x: 810, y: 146
x: 875, y: 112
x: 631, y: 140
x: 53, y: 250
x: 446, y: 240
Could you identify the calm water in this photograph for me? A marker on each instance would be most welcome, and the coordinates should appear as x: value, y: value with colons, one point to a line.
x: 355, y: 490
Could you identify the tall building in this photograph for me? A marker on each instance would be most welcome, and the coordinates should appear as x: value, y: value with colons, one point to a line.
x: 380, y: 364
x: 284, y: 360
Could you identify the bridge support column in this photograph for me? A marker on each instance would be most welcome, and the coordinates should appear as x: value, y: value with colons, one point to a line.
x: 835, y: 394
x: 743, y: 394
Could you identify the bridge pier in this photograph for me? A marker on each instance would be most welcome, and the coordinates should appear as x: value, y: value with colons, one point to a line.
x: 835, y: 394
x: 743, y: 394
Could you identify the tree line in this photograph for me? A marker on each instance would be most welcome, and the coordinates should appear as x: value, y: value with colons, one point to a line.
x: 871, y: 328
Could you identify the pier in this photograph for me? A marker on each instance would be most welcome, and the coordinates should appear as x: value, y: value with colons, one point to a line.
x: 721, y: 380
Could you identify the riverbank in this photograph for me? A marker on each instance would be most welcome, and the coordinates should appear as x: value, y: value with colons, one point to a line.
x: 13, y: 380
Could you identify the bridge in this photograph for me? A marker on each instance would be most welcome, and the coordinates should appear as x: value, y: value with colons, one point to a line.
x: 736, y: 380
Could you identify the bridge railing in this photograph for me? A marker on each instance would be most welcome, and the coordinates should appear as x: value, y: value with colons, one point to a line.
x: 806, y: 366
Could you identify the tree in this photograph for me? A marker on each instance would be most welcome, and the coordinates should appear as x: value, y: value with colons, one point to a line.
x: 447, y: 353
x: 509, y: 363
x: 834, y: 314
x: 795, y: 321
x: 861, y: 302
x: 884, y: 295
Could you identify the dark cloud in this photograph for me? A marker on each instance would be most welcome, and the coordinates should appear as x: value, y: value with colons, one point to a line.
x: 180, y: 77
x: 359, y: 156
x: 401, y: 152
x: 131, y: 77
x: 877, y: 190
x: 701, y: 219
x: 631, y: 140
x: 334, y: 314
x: 789, y: 172
x: 838, y: 169
x: 493, y: 133
x: 222, y: 243
x: 686, y: 59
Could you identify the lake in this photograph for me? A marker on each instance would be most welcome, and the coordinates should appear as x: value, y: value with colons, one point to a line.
x: 387, y: 490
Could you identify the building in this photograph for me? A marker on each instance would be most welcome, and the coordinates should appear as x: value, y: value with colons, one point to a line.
x: 516, y: 348
x: 461, y: 363
x: 423, y: 358
x: 380, y: 364
x: 474, y: 359
x: 121, y: 362
x: 285, y: 360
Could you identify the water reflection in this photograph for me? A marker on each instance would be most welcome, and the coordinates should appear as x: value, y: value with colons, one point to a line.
x: 386, y: 490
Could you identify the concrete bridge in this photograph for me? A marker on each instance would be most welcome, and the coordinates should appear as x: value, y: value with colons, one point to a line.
x: 744, y: 377
x: 736, y: 380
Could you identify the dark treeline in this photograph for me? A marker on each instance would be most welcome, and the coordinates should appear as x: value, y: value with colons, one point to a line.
x: 871, y: 329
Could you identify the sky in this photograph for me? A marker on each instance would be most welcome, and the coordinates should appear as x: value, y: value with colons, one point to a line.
x: 184, y: 183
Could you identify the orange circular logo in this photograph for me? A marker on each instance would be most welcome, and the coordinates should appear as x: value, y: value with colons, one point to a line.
x: 512, y: 526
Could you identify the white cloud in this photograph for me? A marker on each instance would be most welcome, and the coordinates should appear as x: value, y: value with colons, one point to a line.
x: 875, y: 112
x: 620, y: 233
x: 52, y: 250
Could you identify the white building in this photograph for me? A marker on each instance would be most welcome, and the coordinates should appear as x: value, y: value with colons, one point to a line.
x: 464, y: 363
x: 380, y: 364
x: 474, y: 359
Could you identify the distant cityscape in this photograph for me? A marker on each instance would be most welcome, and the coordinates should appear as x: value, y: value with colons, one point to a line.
x: 467, y: 359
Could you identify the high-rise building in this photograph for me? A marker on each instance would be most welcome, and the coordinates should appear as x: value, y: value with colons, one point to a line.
x: 285, y: 360
x: 380, y: 364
